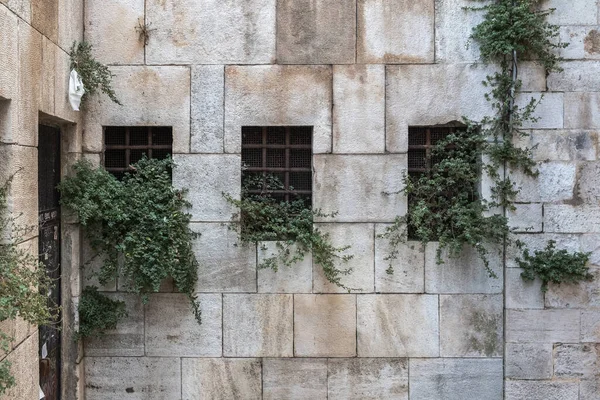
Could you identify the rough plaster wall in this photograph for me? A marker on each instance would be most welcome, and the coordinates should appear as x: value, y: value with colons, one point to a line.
x: 34, y: 66
x: 426, y: 332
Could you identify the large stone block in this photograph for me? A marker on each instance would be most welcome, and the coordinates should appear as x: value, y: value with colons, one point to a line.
x: 44, y: 18
x: 528, y: 360
x: 398, y: 325
x: 296, y: 278
x: 360, y: 188
x: 278, y: 95
x: 111, y: 27
x: 584, y: 42
x: 294, y: 379
x: 25, y: 369
x: 368, y: 378
x: 395, y: 31
x: 21, y: 163
x: 534, y: 242
x: 581, y: 110
x: 30, y: 85
x: 542, y: 326
x: 455, y: 379
x: 225, y: 265
x: 591, y: 243
x: 590, y: 326
x: 432, y: 95
x: 47, y: 96
x: 548, y: 113
x: 316, y: 32
x: 554, y: 183
x: 62, y: 107
x: 589, y: 388
x: 8, y: 57
x: 128, y: 338
x: 564, y: 218
x: 70, y: 22
x: 541, y: 390
x: 576, y: 360
x: 258, y: 325
x: 180, y: 334
x: 465, y: 274
x: 563, y: 145
x: 528, y: 217
x: 359, y: 109
x: 576, y: 76
x: 151, y: 96
x: 577, y: 12
x: 520, y: 293
x: 136, y: 378
x: 20, y: 7
x: 588, y: 183
x: 208, y: 96
x: 471, y: 325
x: 211, y: 32
x: 324, y: 325
x: 221, y: 378
x: 361, y: 239
x: 583, y: 294
x: 206, y: 177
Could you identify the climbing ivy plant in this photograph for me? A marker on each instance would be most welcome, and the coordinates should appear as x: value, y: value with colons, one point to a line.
x: 98, y: 313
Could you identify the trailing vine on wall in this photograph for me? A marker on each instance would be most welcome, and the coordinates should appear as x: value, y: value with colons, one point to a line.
x: 98, y: 313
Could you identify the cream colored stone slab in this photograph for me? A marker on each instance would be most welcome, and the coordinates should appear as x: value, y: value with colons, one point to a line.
x: 368, y: 378
x: 324, y: 325
x: 541, y: 390
x: 136, y: 378
x: 25, y: 369
x: 583, y: 295
x: 111, y: 28
x: 563, y: 145
x: 555, y: 182
x: 30, y: 85
x: 180, y: 334
x: 221, y: 378
x: 278, y: 95
x: 294, y: 379
x: 361, y: 239
x: 576, y: 12
x: 359, y: 109
x: 395, y: 31
x: 529, y: 360
x: 590, y: 326
x: 225, y: 265
x: 316, y: 31
x: 542, y: 326
x: 549, y: 111
x: 581, y: 110
x: 432, y: 95
x: 49, y: 50
x: 70, y: 23
x: 564, y: 218
x: 258, y: 325
x: 44, y: 18
x: 296, y: 278
x: 208, y: 97
x: 398, y: 325
x: 576, y: 76
x: 359, y: 188
x: 151, y: 96
x: 584, y: 42
x: 211, y: 32
x: 206, y: 177
x: 520, y: 293
x: 526, y: 218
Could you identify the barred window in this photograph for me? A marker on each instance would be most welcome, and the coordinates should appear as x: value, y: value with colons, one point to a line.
x: 125, y: 145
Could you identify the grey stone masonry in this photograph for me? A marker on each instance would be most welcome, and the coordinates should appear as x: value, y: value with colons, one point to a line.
x: 294, y: 379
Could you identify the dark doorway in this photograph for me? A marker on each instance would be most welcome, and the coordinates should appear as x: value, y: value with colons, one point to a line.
x: 49, y: 250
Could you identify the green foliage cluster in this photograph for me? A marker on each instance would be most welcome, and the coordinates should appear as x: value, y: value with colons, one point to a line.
x: 290, y: 224
x: 98, y: 313
x: 23, y: 283
x: 94, y: 75
x: 138, y: 225
x: 554, y: 266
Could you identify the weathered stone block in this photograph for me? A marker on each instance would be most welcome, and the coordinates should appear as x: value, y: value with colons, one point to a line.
x: 151, y: 96
x: 278, y: 95
x: 361, y: 239
x: 296, y: 278
x: 208, y: 96
x: 316, y: 32
x: 366, y: 378
x: 294, y: 379
x: 180, y: 334
x: 216, y: 32
x: 25, y: 369
x: 432, y: 95
x: 455, y: 379
x: 128, y: 338
x: 583, y: 294
x: 206, y: 177
x: 584, y: 42
x: 471, y: 325
x: 589, y: 388
x: 542, y: 326
x: 44, y: 18
x: 526, y: 218
x: 324, y: 325
x: 360, y: 188
x: 221, y: 378
x: 382, y: 23
x: 30, y: 85
x: 225, y: 265
x: 49, y: 50
x: 563, y: 145
x: 577, y: 12
x: 111, y: 27
x: 549, y: 111
x: 408, y: 267
x: 359, y: 109
x: 465, y: 274
x: 588, y: 183
x: 564, y: 218
x: 521, y: 293
x: 528, y: 360
x: 590, y: 326
x: 20, y: 7
x: 8, y: 59
x: 591, y: 243
x: 21, y: 163
x: 532, y: 76
x: 70, y: 22
x: 554, y: 183
x: 398, y: 326
x: 137, y: 378
x: 258, y: 325
x: 539, y: 242
x: 576, y: 360
x: 576, y: 76
x: 581, y: 110
x: 541, y: 390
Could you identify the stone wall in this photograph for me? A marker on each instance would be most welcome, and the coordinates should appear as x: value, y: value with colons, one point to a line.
x: 35, y: 37
x: 360, y: 72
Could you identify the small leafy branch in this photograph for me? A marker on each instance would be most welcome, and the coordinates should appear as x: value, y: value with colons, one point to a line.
x: 23, y: 283
x: 137, y: 224
x: 98, y: 313
x: 554, y: 266
x: 143, y: 30
x: 94, y: 75
x: 265, y: 218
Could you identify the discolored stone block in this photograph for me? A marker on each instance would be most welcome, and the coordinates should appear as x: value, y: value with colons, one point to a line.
x: 324, y: 325
x: 49, y: 50
x: 294, y: 379
x: 521, y: 293
x: 70, y: 22
x: 588, y: 183
x: 539, y: 241
x: 25, y: 369
x: 541, y: 390
x: 582, y: 294
x: 296, y: 278
x: 529, y: 360
x: 542, y: 326
x: 581, y: 110
x: 316, y: 31
x: 590, y: 326
x: 258, y: 325
x: 564, y: 218
x: 548, y: 113
x: 554, y: 183
x: 44, y: 18
x: 584, y: 42
x: 576, y: 360
x: 577, y: 12
x: 576, y: 76
x: 563, y: 145
x: 30, y: 85
x: 8, y: 58
x: 208, y: 83
x: 527, y: 217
